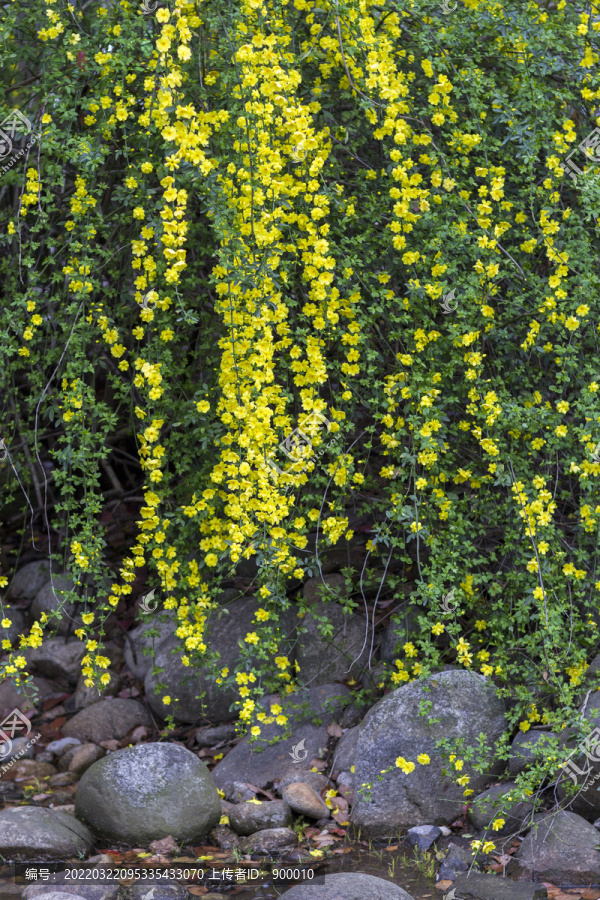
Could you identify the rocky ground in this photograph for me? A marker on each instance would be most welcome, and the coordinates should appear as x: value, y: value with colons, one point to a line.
x: 103, y: 783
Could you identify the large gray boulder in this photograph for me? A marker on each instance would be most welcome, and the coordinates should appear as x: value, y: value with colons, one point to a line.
x: 464, y: 705
x: 185, y: 684
x: 579, y: 781
x: 341, y: 653
x: 344, y: 756
x: 27, y: 582
x: 560, y: 849
x: 51, y: 598
x: 32, y: 832
x: 474, y: 886
x: 348, y: 886
x: 144, y: 638
x: 148, y: 792
x: 261, y: 763
x: 108, y: 719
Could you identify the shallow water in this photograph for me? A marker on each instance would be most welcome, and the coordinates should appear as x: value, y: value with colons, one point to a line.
x: 394, y: 866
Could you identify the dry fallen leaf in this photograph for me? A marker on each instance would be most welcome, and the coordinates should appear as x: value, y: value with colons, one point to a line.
x: 166, y: 845
x: 334, y: 730
x: 444, y: 885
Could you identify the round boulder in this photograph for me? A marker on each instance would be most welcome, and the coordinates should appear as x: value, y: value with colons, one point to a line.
x: 348, y: 886
x: 148, y: 792
x: 463, y: 705
x: 185, y: 685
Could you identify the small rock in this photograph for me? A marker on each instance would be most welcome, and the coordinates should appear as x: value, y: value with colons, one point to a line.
x: 55, y: 712
x: 108, y: 719
x: 62, y: 779
x: 302, y: 799
x: 423, y: 836
x: 28, y: 832
x: 44, y: 756
x: 209, y: 735
x: 85, y: 696
x: 492, y: 887
x: 85, y: 756
x: 270, y: 841
x: 30, y: 768
x: 239, y: 792
x: 61, y: 746
x: 346, y: 780
x: 247, y: 818
x: 348, y: 886
x: 457, y: 860
x: 148, y: 792
x: 224, y: 837
x: 18, y: 747
x: 65, y: 760
x: 315, y: 780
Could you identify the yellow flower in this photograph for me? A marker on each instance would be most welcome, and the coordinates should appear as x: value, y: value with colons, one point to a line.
x: 423, y: 759
x: 87, y: 618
